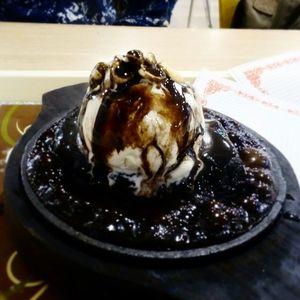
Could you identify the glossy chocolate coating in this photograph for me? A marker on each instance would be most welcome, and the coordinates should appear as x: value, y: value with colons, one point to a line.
x: 230, y: 196
x: 141, y: 123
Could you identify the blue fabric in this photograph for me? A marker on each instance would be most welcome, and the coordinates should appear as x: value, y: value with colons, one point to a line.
x: 108, y: 12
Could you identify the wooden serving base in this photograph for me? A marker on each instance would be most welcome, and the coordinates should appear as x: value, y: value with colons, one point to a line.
x: 267, y: 268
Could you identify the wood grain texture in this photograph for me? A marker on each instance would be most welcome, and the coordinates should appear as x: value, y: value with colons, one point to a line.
x: 26, y: 46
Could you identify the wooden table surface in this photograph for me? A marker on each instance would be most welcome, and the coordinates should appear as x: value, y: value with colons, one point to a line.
x: 25, y: 46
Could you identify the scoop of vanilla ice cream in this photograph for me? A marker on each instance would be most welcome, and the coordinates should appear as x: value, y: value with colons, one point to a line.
x: 141, y: 123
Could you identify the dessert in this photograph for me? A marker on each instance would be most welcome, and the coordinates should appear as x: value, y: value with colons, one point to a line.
x: 141, y: 165
x: 140, y: 124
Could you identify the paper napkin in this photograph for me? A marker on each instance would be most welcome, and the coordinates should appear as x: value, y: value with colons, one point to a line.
x: 266, y: 115
x: 276, y: 77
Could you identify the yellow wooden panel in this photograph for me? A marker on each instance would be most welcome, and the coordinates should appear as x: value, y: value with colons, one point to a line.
x: 227, y: 8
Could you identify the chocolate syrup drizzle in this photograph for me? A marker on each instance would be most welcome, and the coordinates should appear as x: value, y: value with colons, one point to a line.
x: 124, y: 88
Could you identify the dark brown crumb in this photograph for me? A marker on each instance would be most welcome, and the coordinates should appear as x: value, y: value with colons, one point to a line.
x: 234, y: 192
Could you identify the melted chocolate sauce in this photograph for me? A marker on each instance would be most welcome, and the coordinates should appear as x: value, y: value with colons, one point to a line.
x: 232, y: 193
x: 137, y: 106
x: 123, y: 108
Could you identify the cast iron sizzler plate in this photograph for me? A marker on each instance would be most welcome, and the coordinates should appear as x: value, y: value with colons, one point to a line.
x: 264, y: 265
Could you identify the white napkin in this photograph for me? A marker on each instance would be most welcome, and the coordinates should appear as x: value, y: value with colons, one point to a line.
x: 276, y: 77
x: 269, y: 116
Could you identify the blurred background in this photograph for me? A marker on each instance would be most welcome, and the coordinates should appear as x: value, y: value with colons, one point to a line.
x: 203, y: 13
x: 173, y: 13
x: 196, y: 13
x: 263, y: 14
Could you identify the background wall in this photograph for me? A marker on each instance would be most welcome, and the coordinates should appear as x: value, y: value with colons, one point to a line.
x: 195, y: 13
